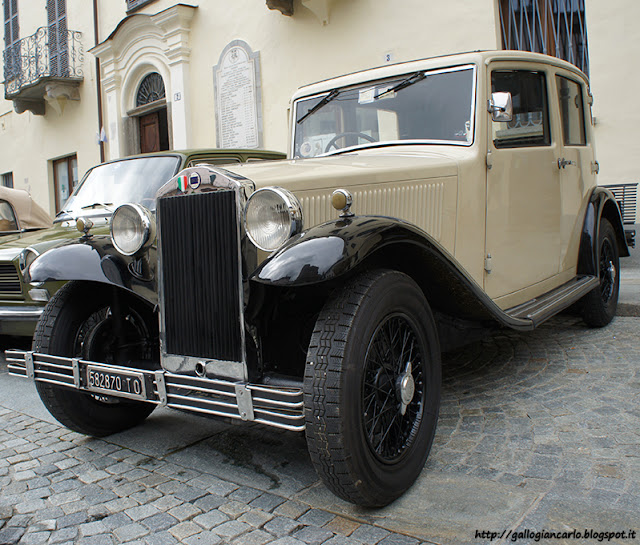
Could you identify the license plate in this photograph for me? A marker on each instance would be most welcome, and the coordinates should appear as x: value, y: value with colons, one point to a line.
x: 119, y: 383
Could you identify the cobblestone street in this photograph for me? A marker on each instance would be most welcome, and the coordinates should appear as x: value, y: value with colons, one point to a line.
x: 537, y: 431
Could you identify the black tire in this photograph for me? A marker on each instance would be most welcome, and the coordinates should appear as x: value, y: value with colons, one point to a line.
x: 599, y: 305
x: 363, y: 446
x: 75, y: 323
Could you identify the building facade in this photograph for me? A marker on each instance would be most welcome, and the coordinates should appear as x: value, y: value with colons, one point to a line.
x: 92, y: 81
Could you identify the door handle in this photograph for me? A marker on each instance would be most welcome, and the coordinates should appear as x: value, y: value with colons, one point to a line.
x: 562, y: 163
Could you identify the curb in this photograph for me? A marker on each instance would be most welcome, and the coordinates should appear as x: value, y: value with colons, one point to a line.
x: 628, y: 309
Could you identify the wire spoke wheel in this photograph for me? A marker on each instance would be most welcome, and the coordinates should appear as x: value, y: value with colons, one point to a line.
x: 79, y: 322
x: 599, y: 306
x: 393, y: 388
x: 372, y: 388
x: 608, y: 271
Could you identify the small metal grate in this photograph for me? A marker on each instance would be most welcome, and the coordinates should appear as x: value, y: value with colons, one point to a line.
x: 626, y: 196
x: 9, y: 279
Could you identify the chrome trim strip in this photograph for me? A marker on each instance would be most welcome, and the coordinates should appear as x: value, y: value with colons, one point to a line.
x: 26, y: 314
x: 285, y: 390
x: 42, y: 374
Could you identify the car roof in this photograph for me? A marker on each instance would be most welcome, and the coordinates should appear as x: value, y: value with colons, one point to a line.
x: 30, y: 215
x: 445, y: 61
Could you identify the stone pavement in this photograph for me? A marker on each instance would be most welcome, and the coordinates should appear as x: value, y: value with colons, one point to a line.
x: 538, y: 431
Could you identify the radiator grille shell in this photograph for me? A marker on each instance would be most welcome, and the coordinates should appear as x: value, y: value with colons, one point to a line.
x: 201, y: 304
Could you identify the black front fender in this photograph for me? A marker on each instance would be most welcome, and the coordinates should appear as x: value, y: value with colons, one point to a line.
x: 331, y: 250
x: 91, y: 261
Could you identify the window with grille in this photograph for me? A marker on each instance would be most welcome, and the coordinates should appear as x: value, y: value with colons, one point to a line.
x: 151, y: 89
x: 7, y: 179
x: 553, y: 27
x: 11, y: 40
x: 58, y: 38
x: 133, y: 5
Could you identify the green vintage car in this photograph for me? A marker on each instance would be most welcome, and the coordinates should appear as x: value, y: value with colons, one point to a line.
x: 101, y: 191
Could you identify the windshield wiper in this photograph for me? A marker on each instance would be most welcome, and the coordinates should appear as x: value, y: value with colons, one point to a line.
x: 96, y: 204
x: 333, y: 94
x: 415, y: 78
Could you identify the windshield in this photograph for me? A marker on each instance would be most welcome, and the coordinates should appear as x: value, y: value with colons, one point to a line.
x: 112, y: 184
x: 435, y: 106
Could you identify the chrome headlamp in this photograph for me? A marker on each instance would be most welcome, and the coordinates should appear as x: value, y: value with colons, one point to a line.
x: 132, y: 229
x: 272, y: 216
x: 27, y: 256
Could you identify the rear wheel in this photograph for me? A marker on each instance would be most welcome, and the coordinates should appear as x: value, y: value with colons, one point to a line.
x: 79, y: 322
x: 372, y: 388
x: 599, y: 306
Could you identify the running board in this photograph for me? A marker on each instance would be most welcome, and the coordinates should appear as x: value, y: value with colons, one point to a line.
x: 544, y: 307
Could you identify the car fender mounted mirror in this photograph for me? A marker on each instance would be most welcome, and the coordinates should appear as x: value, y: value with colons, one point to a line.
x: 500, y: 107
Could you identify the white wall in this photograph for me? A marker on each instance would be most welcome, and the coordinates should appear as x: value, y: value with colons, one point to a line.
x: 614, y: 47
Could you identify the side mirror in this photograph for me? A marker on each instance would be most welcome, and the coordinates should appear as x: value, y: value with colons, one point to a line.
x: 500, y: 107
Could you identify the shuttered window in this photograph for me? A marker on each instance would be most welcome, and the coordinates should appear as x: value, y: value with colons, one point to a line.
x: 58, y: 38
x: 11, y: 39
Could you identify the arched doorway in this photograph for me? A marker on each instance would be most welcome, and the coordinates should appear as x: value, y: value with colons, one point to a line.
x: 152, y: 124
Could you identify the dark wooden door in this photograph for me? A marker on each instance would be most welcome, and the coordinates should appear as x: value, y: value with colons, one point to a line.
x: 150, y: 133
x: 154, y: 133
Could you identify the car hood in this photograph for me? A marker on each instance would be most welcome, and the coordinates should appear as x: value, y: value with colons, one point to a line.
x: 42, y: 240
x: 367, y: 166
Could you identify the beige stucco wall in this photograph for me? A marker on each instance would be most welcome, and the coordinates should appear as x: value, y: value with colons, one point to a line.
x: 295, y: 51
x: 614, y: 47
x: 29, y: 143
x: 300, y: 49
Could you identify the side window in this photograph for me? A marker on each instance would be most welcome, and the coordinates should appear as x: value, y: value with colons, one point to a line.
x: 571, y: 112
x: 530, y: 123
x: 8, y: 221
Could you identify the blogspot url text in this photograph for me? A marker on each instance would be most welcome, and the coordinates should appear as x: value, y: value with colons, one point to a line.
x: 537, y: 535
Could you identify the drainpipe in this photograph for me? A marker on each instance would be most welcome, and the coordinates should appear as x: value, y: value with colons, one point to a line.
x: 98, y: 80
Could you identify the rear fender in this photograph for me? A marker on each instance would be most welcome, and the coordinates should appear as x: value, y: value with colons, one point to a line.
x: 602, y: 204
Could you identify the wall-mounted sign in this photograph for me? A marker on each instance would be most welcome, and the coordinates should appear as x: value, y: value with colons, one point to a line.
x: 238, y: 97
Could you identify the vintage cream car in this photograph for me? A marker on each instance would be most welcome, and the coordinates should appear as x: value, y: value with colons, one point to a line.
x: 419, y: 200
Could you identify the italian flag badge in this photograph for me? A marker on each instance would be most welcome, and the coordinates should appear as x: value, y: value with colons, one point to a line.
x: 183, y: 183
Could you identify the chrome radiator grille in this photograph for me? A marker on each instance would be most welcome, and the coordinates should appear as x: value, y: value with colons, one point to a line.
x: 9, y: 279
x: 199, y: 249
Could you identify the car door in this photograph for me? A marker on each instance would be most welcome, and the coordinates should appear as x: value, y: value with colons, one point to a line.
x: 523, y: 193
x: 576, y: 163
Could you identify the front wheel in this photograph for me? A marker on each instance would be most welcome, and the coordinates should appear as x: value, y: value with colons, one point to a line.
x: 599, y: 305
x: 372, y: 388
x: 79, y: 322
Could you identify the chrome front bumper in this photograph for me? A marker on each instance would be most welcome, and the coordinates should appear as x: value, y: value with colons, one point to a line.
x: 274, y: 406
x: 21, y: 313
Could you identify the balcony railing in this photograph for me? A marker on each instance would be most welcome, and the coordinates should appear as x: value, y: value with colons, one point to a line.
x: 47, y: 54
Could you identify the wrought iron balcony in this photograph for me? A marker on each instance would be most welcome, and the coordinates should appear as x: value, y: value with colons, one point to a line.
x: 45, y: 65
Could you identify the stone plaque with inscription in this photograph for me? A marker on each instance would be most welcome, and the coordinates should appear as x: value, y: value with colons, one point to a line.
x: 238, y: 97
